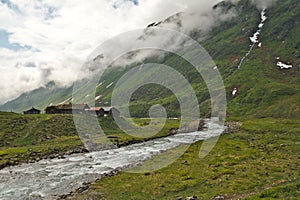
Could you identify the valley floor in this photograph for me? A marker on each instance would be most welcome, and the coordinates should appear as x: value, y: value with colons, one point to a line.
x: 259, y: 162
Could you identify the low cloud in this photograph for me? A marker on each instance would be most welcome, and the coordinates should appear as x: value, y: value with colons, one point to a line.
x: 198, y: 17
x: 263, y: 4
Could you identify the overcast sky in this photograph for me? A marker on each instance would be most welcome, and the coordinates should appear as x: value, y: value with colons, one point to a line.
x: 48, y: 40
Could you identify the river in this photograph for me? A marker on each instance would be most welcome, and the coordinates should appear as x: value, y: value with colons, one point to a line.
x: 48, y: 179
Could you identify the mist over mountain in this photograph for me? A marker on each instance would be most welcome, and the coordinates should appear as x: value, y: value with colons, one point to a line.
x: 42, y: 41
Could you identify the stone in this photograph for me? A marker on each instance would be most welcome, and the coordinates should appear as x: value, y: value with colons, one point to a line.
x: 192, y: 198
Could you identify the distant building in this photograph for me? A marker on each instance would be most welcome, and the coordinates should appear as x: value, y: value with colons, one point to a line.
x: 67, y: 109
x: 95, y: 110
x: 109, y: 111
x: 32, y: 111
x: 103, y: 111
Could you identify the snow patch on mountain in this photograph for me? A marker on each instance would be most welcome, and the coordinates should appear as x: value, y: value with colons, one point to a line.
x: 68, y: 99
x: 255, y: 38
x: 263, y: 16
x: 108, y: 86
x: 98, y: 97
x: 234, y: 92
x: 259, y: 45
x: 100, y: 84
x: 283, y: 65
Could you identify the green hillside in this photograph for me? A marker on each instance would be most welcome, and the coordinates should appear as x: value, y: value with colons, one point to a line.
x: 264, y: 90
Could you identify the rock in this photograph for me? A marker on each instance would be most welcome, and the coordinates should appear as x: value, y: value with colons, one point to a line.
x: 36, y: 195
x: 201, y: 125
x: 219, y: 197
x: 32, y: 154
x: 112, y: 137
x: 62, y: 157
x: 192, y: 198
x: 173, y: 131
x: 232, y: 127
x: 184, y: 162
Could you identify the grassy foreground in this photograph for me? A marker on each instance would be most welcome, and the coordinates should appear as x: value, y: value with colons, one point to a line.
x: 259, y: 162
x: 32, y: 137
x: 28, y: 138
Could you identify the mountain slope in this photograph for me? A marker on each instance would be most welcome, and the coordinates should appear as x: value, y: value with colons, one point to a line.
x: 39, y: 98
x: 262, y: 88
x: 265, y: 89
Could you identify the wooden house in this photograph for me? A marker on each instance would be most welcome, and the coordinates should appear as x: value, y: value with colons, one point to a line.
x: 96, y: 110
x: 32, y: 111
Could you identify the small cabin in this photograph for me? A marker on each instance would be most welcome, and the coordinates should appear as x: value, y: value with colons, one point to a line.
x: 32, y: 111
x: 95, y: 110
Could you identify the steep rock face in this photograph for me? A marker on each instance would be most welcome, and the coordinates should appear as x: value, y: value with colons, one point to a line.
x: 264, y: 89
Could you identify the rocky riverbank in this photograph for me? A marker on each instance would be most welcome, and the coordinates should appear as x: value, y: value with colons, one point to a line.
x: 231, y: 127
x: 35, y: 157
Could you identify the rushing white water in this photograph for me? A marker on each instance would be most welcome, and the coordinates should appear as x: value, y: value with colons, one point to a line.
x: 255, y: 38
x: 48, y: 179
